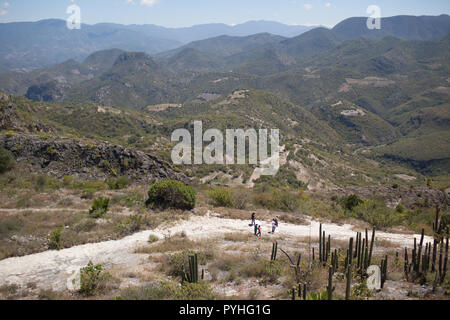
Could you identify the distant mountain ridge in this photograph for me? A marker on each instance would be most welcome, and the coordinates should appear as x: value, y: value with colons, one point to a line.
x: 31, y: 45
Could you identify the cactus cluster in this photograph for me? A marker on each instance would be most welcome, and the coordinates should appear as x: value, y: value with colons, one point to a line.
x: 324, y: 247
x: 192, y: 275
x: 431, y: 258
x: 301, y: 292
x: 363, y: 251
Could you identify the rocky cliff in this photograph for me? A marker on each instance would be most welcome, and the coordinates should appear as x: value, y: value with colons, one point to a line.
x: 89, y: 160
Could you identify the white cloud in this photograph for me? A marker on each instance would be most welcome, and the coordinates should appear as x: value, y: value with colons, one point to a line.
x: 148, y: 3
x: 4, y: 9
x: 308, y: 6
x: 328, y: 4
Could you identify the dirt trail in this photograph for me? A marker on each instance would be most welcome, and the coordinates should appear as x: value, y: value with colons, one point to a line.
x: 57, y: 269
x: 12, y: 211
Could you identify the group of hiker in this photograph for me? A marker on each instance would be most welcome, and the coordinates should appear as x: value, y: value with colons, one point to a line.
x: 257, y: 225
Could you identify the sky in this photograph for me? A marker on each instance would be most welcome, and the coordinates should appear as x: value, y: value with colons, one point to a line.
x: 184, y: 13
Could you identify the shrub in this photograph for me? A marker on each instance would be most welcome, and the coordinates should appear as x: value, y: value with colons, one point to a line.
x: 6, y: 160
x: 377, y: 214
x: 171, y: 291
x: 240, y: 199
x: 67, y: 181
x: 171, y: 194
x: 153, y: 238
x: 221, y: 197
x: 278, y: 200
x: 99, y: 207
x: 400, y: 208
x: 40, y: 183
x: 119, y: 183
x: 55, y: 239
x: 350, y: 202
x: 130, y: 224
x: 286, y: 201
x: 268, y: 271
x: 93, y: 279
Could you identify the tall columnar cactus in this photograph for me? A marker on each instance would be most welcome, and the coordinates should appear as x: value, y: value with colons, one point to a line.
x: 372, y: 242
x: 192, y: 276
x: 328, y: 248
x: 330, y: 288
x: 444, y: 269
x: 359, y: 251
x: 384, y: 264
x: 350, y: 252
x: 320, y: 243
x: 419, y: 253
x: 407, y: 265
x: 304, y: 291
x: 274, y: 251
x: 414, y: 256
x: 363, y: 259
x: 349, y: 283
x: 324, y: 249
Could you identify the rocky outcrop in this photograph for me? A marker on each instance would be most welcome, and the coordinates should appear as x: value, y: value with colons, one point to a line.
x: 96, y: 160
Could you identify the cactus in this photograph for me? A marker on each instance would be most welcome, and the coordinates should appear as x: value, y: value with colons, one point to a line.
x: 192, y: 276
x: 348, y: 284
x: 320, y: 243
x: 363, y: 251
x: 359, y: 251
x: 304, y: 291
x: 350, y: 251
x: 273, y: 257
x: 323, y: 248
x: 330, y: 288
x: 371, y: 246
x: 384, y: 264
x: 406, y: 267
x: 419, y: 253
x: 444, y: 269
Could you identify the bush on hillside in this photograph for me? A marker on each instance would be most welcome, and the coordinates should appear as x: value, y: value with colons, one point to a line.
x: 377, y: 214
x: 221, y: 197
x: 119, y: 183
x: 99, y: 207
x: 6, y: 160
x: 171, y: 194
x: 350, y: 202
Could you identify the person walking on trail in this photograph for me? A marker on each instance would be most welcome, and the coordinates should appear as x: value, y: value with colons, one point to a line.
x: 253, y: 219
x: 274, y: 224
x: 257, y: 228
x: 258, y: 232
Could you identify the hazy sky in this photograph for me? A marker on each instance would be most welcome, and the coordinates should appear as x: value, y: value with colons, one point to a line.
x: 179, y: 13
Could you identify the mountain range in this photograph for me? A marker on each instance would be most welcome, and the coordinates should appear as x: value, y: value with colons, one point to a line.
x: 31, y: 45
x: 383, y: 94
